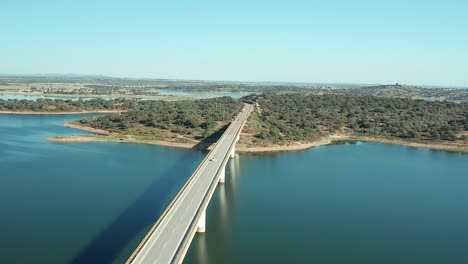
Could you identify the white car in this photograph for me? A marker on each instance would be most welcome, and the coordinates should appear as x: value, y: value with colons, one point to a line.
x: 212, y: 159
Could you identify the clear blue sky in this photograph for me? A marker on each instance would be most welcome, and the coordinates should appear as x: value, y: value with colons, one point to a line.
x: 413, y: 42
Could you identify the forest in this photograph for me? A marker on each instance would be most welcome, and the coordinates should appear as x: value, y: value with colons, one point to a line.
x: 197, y: 119
x: 299, y: 117
x: 59, y: 105
x: 280, y: 118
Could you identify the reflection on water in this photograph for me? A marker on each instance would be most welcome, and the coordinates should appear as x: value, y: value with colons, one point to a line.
x: 352, y: 203
x: 85, y: 203
x: 220, y: 217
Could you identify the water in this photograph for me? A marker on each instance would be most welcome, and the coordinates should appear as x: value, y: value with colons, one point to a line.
x: 35, y: 97
x: 194, y: 95
x: 203, y: 95
x: 352, y: 203
x: 355, y: 203
x: 79, y: 203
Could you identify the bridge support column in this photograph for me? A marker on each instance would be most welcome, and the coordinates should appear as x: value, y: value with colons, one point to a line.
x: 222, y: 176
x: 202, y: 222
x: 233, y: 152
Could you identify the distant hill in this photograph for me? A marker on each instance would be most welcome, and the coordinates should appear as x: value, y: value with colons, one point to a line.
x: 83, y: 84
x: 55, y: 75
x: 411, y: 92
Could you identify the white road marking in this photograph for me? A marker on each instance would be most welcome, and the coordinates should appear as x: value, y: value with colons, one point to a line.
x: 173, y: 228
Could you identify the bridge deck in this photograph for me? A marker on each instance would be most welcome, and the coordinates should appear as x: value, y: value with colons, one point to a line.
x: 170, y: 237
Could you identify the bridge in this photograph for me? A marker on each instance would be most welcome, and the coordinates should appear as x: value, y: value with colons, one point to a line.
x: 170, y: 237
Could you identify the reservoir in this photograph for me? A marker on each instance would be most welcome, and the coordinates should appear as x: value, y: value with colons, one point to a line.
x: 80, y: 203
x: 354, y: 203
x: 193, y: 95
x: 35, y: 97
x: 350, y: 203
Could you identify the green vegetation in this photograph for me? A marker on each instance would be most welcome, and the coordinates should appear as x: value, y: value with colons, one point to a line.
x: 298, y: 117
x: 192, y: 119
x: 57, y: 105
x: 152, y: 88
x: 186, y: 121
x: 409, y: 92
x: 279, y: 119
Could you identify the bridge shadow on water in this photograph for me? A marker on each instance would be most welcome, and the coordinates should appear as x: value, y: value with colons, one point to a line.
x: 205, y: 143
x: 140, y: 215
x: 143, y: 212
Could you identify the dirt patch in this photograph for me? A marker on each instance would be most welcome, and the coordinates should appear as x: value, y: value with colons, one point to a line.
x: 61, y: 113
x: 293, y: 146
x: 89, y: 129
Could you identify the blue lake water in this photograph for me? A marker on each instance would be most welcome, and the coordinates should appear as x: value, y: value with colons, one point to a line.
x: 202, y: 95
x: 35, y: 97
x: 79, y: 203
x: 352, y: 203
x: 195, y: 95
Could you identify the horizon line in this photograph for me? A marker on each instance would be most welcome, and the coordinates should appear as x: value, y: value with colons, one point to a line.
x: 80, y: 75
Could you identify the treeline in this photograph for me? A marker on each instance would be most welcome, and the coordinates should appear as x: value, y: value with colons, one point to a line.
x: 409, y: 92
x: 281, y: 117
x: 297, y: 117
x: 58, y: 105
x: 198, y: 118
x: 100, y: 85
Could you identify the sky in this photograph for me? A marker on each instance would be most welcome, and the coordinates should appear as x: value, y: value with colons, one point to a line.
x: 355, y: 41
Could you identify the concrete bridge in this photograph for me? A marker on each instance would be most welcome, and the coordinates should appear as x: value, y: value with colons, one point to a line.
x: 170, y: 237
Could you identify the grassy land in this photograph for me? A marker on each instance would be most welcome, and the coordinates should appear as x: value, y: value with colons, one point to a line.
x: 142, y: 135
x: 249, y: 141
x: 280, y: 121
x: 190, y: 124
x: 139, y: 135
x: 286, y: 136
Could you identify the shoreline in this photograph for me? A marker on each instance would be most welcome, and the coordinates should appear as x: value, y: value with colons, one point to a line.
x: 161, y: 95
x: 89, y: 129
x: 106, y: 136
x: 286, y: 148
x: 61, y: 113
x: 336, y: 140
x: 448, y: 147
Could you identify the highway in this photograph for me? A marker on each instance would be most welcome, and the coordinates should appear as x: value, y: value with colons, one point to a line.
x: 169, y: 239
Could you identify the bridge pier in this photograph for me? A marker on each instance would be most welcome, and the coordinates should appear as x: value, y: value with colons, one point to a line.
x: 233, y: 152
x: 170, y: 237
x: 222, y: 176
x: 202, y: 222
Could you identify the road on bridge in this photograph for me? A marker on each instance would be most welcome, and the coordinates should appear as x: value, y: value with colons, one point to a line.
x: 170, y: 237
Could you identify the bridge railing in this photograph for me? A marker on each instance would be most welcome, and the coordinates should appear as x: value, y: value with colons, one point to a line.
x: 183, y: 247
x: 171, y: 204
x: 168, y: 208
